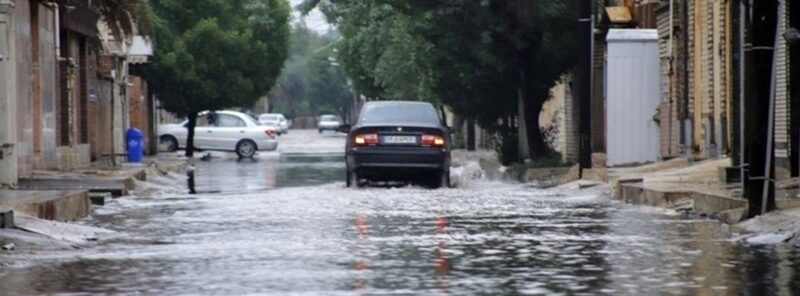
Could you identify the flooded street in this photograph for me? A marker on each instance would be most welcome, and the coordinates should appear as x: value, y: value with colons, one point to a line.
x: 286, y: 225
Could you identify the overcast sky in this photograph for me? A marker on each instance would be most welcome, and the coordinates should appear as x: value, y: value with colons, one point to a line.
x: 315, y: 20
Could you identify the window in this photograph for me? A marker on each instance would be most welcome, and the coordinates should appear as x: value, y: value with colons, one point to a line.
x: 400, y: 113
x: 225, y: 120
x: 268, y: 118
x: 203, y: 121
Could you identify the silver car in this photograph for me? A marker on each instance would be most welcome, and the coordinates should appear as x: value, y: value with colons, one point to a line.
x: 222, y: 131
x: 276, y: 120
x: 328, y: 122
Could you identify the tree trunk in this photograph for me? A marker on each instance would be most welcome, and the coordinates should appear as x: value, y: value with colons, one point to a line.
x: 471, y: 135
x: 190, y: 136
x: 532, y: 101
x: 523, y: 150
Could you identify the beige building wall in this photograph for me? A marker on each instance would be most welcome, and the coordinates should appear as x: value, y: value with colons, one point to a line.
x: 782, y: 112
x: 8, y: 103
x: 710, y: 79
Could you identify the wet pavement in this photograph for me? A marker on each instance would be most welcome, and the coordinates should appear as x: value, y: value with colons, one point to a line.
x: 286, y: 225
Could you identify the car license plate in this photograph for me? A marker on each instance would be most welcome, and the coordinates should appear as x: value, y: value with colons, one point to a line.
x: 399, y: 139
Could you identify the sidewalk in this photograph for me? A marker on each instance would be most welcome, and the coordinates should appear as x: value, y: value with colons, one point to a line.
x: 695, y: 187
x: 65, y: 196
x: 43, y: 204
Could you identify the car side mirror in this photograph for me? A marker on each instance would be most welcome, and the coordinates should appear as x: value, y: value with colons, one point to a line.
x: 344, y: 128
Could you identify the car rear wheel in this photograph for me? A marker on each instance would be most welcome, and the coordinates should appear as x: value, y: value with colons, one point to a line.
x: 246, y: 149
x: 353, y: 179
x: 441, y: 179
x: 169, y: 142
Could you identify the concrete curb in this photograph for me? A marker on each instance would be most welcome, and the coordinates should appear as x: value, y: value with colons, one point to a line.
x: 55, y: 205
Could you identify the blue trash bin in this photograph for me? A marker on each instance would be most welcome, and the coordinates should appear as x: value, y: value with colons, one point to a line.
x: 133, y: 142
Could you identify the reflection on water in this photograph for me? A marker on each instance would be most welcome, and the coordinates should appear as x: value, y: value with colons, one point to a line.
x: 259, y: 174
x: 288, y: 225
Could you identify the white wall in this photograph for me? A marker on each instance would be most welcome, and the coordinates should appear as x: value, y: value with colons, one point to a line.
x: 8, y: 106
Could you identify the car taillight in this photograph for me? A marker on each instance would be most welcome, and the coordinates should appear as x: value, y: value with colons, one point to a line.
x: 365, y: 139
x: 431, y: 140
x: 270, y: 133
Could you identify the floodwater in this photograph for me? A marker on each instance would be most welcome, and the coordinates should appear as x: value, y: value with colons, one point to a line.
x: 286, y: 225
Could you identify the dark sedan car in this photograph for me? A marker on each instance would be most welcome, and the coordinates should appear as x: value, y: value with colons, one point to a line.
x: 398, y: 141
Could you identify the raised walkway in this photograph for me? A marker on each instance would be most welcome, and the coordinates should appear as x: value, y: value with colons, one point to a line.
x: 66, y: 196
x: 695, y: 186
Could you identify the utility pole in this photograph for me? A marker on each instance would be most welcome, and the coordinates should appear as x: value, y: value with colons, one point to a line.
x: 584, y: 81
x: 761, y: 25
x: 471, y: 135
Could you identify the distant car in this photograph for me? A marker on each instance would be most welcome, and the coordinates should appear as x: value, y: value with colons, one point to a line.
x: 398, y: 141
x: 328, y: 122
x: 222, y: 131
x: 277, y: 120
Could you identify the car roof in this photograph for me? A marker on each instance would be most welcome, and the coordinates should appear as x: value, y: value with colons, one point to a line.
x: 397, y: 103
x: 221, y: 111
x: 228, y: 112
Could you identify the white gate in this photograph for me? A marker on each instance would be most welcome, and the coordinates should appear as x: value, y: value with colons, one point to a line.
x: 633, y: 93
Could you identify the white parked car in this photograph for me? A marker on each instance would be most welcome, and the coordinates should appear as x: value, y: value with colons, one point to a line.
x: 328, y: 122
x: 222, y: 131
x: 275, y: 119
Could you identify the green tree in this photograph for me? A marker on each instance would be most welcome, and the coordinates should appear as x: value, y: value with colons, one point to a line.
x: 290, y: 95
x: 328, y: 89
x: 481, y: 58
x: 313, y: 81
x: 213, y: 54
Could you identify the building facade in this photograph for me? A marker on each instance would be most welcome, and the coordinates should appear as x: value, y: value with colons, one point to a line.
x: 57, y: 105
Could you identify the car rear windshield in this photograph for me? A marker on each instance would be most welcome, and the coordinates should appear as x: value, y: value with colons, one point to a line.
x: 400, y: 113
x: 327, y: 118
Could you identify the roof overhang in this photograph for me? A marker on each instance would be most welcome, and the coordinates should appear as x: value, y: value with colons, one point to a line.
x: 81, y: 19
x: 140, y: 51
x: 632, y: 35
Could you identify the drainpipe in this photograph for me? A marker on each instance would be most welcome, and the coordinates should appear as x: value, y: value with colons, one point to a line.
x: 113, y: 155
x: 739, y: 140
x: 57, y: 30
x: 671, y: 73
x: 685, y: 89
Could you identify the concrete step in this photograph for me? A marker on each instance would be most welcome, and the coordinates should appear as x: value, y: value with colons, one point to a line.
x: 58, y: 205
x: 6, y: 218
x: 704, y: 201
x: 99, y: 198
x: 116, y: 186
